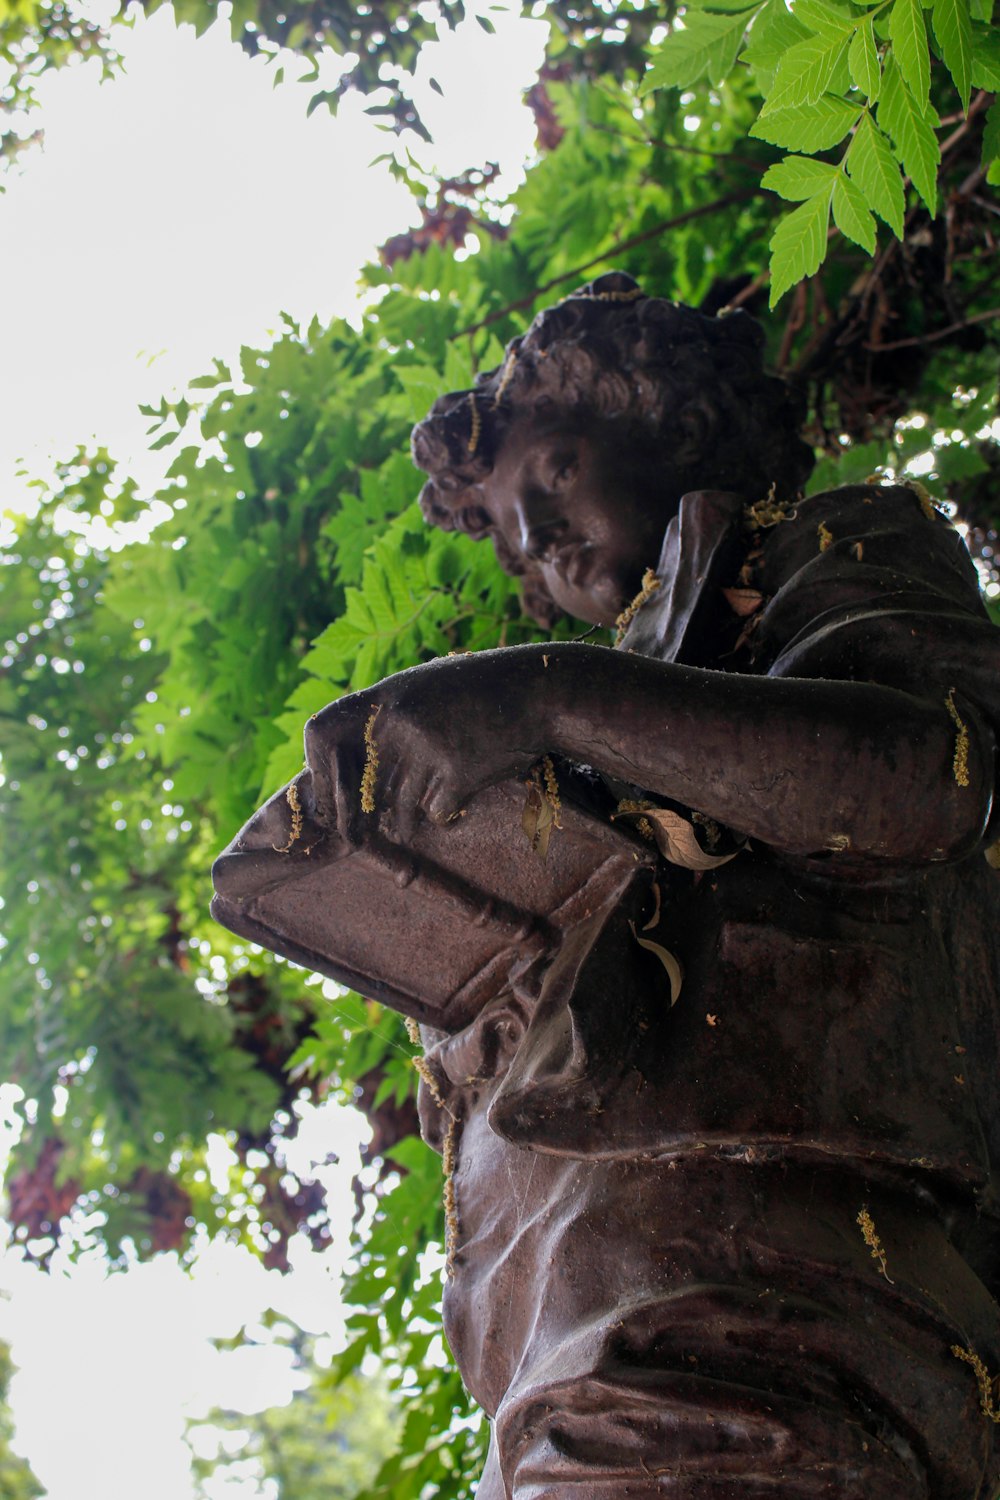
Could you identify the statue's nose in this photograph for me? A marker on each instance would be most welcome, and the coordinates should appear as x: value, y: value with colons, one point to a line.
x: 539, y: 527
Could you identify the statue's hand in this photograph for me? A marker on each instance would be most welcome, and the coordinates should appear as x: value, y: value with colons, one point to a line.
x: 420, y: 744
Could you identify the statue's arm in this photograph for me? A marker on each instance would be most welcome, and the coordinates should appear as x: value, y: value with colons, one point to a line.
x: 801, y: 765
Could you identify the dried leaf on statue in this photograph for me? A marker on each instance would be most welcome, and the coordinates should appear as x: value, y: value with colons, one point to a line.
x: 669, y: 961
x: 538, y: 818
x: 743, y: 602
x: 654, y: 920
x: 678, y: 842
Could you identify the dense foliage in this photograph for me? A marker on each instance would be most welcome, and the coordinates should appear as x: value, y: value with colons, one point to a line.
x: 160, y: 655
x: 829, y: 73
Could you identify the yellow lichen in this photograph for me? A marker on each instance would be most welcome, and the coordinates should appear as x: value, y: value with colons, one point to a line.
x: 924, y: 496
x: 986, y: 1402
x: 292, y: 798
x: 650, y: 583
x: 873, y: 1242
x: 960, y: 763
x: 768, y: 512
x: 643, y: 826
x: 426, y: 1072
x: 451, y: 1224
x: 825, y: 535
x: 474, y: 423
x: 370, y: 771
x: 508, y: 371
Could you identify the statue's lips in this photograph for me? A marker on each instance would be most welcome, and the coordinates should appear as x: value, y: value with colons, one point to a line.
x: 572, y: 562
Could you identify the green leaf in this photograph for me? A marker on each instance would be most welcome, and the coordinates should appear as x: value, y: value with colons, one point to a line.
x: 876, y: 171
x: 991, y: 134
x: 982, y: 10
x: 824, y: 19
x: 986, y: 58
x: 773, y: 32
x: 814, y: 127
x: 851, y: 214
x: 708, y: 44
x: 720, y: 5
x: 908, y: 33
x: 953, y: 29
x: 863, y: 60
x: 799, y: 177
x: 805, y: 73
x: 798, y: 245
x: 912, y: 134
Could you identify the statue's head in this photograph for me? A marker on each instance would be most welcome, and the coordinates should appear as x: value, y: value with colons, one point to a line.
x: 572, y: 455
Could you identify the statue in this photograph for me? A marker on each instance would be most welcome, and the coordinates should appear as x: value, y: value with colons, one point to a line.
x: 716, y: 1080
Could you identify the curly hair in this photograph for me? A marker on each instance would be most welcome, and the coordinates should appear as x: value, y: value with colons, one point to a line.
x: 608, y: 352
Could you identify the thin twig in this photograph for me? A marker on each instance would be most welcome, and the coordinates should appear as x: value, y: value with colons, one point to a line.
x: 978, y: 103
x: 760, y: 167
x: 726, y: 201
x: 751, y: 289
x: 940, y: 333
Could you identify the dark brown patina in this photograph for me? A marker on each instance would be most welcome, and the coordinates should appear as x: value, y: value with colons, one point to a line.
x: 732, y: 1234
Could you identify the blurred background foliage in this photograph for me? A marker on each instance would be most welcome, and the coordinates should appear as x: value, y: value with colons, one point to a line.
x: 327, y: 1443
x: 160, y: 654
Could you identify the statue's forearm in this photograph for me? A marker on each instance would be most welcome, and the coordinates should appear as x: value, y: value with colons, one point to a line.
x: 802, y: 765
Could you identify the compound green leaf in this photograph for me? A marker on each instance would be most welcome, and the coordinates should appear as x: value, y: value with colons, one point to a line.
x: 912, y: 134
x: 866, y: 73
x: 908, y: 33
x: 876, y: 171
x: 798, y: 245
x: 986, y: 58
x: 806, y: 71
x: 812, y: 127
x: 953, y: 29
x: 851, y: 213
x: 798, y: 177
x: 708, y: 44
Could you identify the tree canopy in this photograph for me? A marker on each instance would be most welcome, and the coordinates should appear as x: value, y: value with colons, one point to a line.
x: 161, y: 654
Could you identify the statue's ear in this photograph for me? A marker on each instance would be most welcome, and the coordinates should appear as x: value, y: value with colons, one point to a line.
x: 696, y: 428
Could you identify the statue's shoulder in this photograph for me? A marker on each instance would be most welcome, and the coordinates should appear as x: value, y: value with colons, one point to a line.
x: 879, y: 539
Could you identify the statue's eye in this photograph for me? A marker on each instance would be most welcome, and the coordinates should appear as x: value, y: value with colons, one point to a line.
x: 475, y: 520
x: 565, y: 473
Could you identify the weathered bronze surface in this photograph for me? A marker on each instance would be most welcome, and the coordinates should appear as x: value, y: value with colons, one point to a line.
x: 720, y: 1076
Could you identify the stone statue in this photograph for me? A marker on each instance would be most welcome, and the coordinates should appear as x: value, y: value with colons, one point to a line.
x: 716, y: 1080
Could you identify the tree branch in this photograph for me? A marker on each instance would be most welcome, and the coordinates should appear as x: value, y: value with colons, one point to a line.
x: 940, y: 333
x: 726, y: 201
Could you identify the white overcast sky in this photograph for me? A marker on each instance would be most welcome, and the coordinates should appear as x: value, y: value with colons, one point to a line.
x: 171, y: 216
x: 175, y: 212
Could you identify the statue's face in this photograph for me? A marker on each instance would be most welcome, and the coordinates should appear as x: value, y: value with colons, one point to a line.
x: 584, y: 505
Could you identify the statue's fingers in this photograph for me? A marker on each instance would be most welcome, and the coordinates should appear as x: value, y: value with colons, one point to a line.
x: 346, y: 791
x: 442, y: 801
x: 334, y: 771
